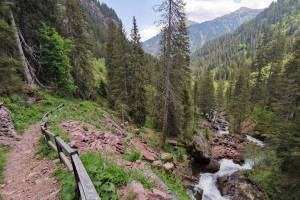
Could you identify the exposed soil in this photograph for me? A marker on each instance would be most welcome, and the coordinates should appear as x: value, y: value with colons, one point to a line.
x: 27, y: 177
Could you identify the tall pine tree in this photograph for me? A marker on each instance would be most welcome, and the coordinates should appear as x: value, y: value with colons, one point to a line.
x: 137, y: 93
x: 174, y: 93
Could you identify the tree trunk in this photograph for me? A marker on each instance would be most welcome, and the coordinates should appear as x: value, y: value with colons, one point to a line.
x: 27, y: 74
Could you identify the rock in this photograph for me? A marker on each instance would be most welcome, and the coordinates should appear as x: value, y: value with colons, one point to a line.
x: 159, y: 193
x: 147, y: 152
x: 200, y: 149
x: 168, y: 166
x: 8, y: 134
x: 238, y: 186
x: 157, y: 163
x: 166, y: 156
x: 135, y: 191
x: 198, y: 193
x: 213, y: 166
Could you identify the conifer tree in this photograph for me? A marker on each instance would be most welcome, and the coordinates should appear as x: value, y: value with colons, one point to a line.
x: 118, y: 69
x: 220, y: 95
x: 240, y: 100
x: 80, y: 57
x: 207, y: 92
x: 55, y: 62
x: 175, y: 62
x: 137, y: 94
x: 260, y: 61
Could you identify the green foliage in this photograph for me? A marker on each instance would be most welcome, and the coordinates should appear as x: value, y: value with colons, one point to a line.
x: 133, y: 155
x: 174, y: 184
x: 205, y: 91
x: 44, y: 150
x: 25, y: 114
x: 136, y: 80
x: 266, y: 173
x: 67, y: 183
x: 3, y: 151
x: 107, y: 175
x: 55, y: 62
x: 100, y: 74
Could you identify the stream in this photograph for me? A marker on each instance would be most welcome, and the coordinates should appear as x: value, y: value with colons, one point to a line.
x: 208, y: 181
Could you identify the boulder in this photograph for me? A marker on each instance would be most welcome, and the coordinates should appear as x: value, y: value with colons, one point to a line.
x: 198, y: 193
x: 239, y: 187
x: 135, y: 191
x: 212, y: 167
x: 168, y: 166
x: 200, y: 149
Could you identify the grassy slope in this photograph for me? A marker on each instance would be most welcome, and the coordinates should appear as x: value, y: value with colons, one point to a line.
x: 105, y: 174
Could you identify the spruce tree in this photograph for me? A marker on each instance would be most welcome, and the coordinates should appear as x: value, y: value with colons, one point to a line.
x: 80, y: 56
x: 137, y: 94
x: 55, y: 62
x: 117, y: 63
x: 207, y: 92
x: 220, y: 95
x: 175, y: 67
x: 239, y: 104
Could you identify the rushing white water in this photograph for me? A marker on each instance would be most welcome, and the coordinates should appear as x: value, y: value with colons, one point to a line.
x: 208, y: 180
x: 256, y: 141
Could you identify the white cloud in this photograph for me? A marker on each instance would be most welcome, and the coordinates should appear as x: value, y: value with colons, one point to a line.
x: 203, y: 10
x: 149, y: 31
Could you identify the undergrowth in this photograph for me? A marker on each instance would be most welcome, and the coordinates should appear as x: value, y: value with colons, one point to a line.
x: 107, y: 176
x: 173, y: 183
x: 133, y: 155
x: 25, y: 114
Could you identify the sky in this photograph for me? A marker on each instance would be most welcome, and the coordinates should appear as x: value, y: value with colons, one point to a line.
x: 197, y: 10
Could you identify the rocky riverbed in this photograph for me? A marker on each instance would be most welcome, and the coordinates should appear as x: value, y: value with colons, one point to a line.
x: 222, y: 162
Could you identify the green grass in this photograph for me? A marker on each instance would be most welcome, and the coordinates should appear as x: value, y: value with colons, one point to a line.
x: 133, y: 155
x: 3, y: 151
x: 66, y: 182
x: 173, y: 183
x: 25, y: 115
x: 107, y: 176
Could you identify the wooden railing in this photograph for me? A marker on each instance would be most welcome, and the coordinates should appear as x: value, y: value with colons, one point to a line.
x: 69, y: 157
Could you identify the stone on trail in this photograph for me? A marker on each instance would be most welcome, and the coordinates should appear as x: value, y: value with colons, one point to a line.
x: 168, y: 166
x: 8, y: 134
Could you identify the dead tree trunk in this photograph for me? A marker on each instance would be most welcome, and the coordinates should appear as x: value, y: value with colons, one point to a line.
x: 28, y: 77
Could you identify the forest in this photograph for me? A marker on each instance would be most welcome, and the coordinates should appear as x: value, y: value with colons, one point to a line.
x: 149, y: 127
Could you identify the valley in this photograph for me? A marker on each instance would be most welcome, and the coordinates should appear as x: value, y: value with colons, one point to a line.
x: 201, y: 111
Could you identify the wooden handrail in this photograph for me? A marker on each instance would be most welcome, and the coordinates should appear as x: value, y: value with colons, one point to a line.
x: 85, y: 189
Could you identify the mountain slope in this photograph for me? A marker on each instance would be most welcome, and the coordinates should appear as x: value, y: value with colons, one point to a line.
x: 200, y: 33
x: 228, y: 49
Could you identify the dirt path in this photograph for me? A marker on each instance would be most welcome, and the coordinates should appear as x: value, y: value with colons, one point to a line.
x: 27, y: 177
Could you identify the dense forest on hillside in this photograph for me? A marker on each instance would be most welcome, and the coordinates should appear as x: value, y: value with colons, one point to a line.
x: 76, y: 52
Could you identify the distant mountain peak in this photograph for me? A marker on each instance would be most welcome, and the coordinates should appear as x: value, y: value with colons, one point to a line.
x: 200, y: 33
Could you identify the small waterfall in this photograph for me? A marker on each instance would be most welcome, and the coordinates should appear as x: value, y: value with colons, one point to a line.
x: 255, y: 141
x: 208, y: 181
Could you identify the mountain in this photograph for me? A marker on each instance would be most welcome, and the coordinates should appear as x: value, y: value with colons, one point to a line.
x: 200, y: 33
x: 229, y: 49
x: 98, y: 16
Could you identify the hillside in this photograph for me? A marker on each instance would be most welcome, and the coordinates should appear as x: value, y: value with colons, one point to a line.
x: 200, y: 33
x: 228, y: 49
